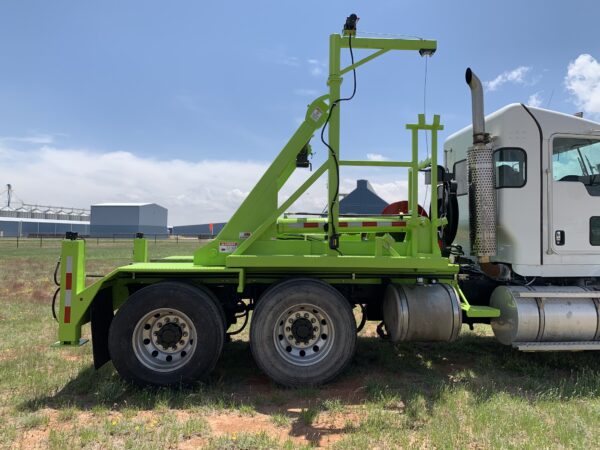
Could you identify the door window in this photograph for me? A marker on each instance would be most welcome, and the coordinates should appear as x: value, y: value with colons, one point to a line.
x: 577, y: 160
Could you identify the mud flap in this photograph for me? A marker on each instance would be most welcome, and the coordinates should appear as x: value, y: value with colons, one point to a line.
x: 101, y: 312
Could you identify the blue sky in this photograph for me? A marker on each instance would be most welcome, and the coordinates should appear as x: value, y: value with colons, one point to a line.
x: 144, y: 85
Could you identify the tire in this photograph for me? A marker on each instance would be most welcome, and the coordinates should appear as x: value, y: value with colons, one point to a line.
x: 167, y: 334
x: 284, y: 345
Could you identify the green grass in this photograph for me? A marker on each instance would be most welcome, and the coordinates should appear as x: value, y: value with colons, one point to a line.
x: 471, y: 393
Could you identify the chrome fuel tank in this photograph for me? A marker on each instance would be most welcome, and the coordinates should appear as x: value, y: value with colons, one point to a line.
x: 422, y: 312
x: 546, y: 314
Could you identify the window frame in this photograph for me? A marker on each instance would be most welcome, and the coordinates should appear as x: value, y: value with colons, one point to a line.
x: 526, y: 165
x: 591, y: 241
x: 467, y: 176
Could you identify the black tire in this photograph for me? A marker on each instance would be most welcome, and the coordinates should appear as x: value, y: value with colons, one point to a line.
x: 203, y: 336
x: 282, y: 304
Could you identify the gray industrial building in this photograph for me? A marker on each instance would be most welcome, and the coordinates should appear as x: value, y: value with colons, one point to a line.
x: 203, y: 229
x: 36, y: 220
x: 127, y: 219
x: 362, y: 200
x: 27, y: 227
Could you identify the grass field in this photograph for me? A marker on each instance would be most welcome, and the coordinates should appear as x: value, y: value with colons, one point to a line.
x: 473, y: 393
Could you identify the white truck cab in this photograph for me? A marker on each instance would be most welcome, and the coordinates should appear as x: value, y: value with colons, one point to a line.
x: 547, y: 180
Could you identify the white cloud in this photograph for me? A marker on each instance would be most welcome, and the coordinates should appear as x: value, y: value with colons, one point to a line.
x: 510, y: 76
x: 40, y: 139
x: 583, y: 82
x: 535, y: 100
x: 376, y: 157
x: 316, y: 67
x: 306, y: 92
x: 194, y: 192
x: 279, y: 55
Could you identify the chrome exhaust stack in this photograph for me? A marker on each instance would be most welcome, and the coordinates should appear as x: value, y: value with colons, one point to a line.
x: 482, y: 193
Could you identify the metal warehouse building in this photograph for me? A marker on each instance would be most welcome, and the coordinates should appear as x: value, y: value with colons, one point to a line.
x: 197, y: 230
x: 19, y: 226
x: 127, y: 219
x: 35, y: 220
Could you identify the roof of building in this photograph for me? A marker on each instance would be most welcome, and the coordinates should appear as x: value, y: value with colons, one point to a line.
x: 124, y: 204
x: 30, y: 220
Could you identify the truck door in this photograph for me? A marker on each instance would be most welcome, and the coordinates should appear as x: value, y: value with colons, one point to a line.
x: 574, y: 194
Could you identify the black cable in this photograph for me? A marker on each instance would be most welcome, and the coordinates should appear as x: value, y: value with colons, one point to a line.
x: 363, y: 319
x: 331, y: 150
x: 246, y: 316
x: 382, y: 332
x: 54, y: 304
x: 240, y: 329
x: 56, y: 282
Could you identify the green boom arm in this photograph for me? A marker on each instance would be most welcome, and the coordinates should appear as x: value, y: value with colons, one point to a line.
x: 259, y: 205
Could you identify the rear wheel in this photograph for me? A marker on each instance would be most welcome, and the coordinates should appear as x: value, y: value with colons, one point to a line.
x: 303, y: 332
x: 166, y: 334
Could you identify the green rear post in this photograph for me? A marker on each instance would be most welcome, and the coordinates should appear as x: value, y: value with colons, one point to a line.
x: 72, y: 281
x: 140, y: 250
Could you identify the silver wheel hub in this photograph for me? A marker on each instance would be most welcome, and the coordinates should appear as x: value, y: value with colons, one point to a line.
x: 164, y: 340
x: 303, y: 334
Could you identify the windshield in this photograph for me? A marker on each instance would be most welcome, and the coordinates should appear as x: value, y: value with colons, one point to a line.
x: 577, y: 160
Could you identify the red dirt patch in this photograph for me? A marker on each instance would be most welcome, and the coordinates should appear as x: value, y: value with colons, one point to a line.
x: 323, y: 432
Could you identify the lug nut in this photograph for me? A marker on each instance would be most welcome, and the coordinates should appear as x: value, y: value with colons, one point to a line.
x: 185, y: 334
x: 288, y: 329
x: 167, y: 320
x: 297, y: 316
x: 306, y: 315
x: 312, y: 320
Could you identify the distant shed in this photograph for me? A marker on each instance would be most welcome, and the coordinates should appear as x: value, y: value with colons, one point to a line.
x: 362, y: 200
x: 127, y: 219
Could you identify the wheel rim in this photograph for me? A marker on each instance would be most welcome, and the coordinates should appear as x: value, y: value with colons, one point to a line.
x: 303, y: 334
x: 164, y: 340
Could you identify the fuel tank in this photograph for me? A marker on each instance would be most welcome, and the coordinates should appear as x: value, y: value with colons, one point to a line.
x: 421, y: 312
x: 546, y: 314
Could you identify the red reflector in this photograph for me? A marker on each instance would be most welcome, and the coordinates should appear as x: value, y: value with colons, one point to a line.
x: 67, y: 314
x: 398, y: 224
x: 68, y: 280
x: 311, y: 225
x: 343, y: 224
x: 369, y: 224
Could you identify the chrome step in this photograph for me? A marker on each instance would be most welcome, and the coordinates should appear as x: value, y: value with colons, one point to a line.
x: 557, y: 346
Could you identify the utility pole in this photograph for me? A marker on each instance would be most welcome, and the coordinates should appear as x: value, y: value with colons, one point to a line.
x: 8, y: 194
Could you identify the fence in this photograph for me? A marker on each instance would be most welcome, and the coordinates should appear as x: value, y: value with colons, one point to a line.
x: 49, y: 240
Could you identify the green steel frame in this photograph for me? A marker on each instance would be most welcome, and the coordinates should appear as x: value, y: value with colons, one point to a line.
x: 261, y: 244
